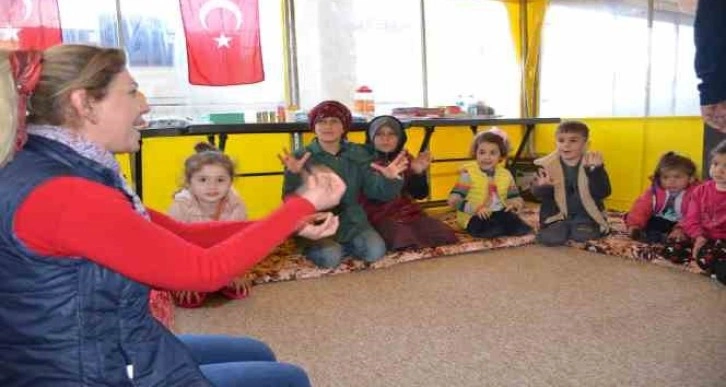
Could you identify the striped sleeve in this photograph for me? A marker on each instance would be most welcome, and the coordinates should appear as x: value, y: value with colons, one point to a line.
x: 463, y: 185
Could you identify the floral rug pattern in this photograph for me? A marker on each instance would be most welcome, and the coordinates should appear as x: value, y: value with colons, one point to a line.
x: 286, y: 263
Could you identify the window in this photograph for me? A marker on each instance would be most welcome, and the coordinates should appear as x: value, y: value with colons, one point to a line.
x: 146, y: 38
x: 596, y: 58
x: 340, y: 46
x: 158, y: 24
x: 344, y: 45
x: 470, y: 52
x: 153, y: 38
x: 673, y: 82
x: 88, y: 22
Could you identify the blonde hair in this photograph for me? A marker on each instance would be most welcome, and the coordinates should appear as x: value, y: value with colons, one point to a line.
x: 66, y: 68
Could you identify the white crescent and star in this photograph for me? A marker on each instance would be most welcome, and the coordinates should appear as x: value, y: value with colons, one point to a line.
x: 222, y: 40
x: 10, y: 32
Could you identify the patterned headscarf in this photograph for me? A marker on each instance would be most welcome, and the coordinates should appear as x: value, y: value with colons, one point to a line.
x: 327, y: 109
x: 26, y: 66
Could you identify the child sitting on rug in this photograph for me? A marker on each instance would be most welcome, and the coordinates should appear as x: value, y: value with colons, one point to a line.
x: 208, y: 196
x: 331, y: 120
x: 655, y: 214
x: 401, y: 221
x: 486, y: 197
x: 571, y: 185
x: 705, y: 219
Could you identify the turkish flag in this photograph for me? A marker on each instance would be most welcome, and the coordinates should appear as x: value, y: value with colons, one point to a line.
x: 29, y: 24
x: 223, y: 41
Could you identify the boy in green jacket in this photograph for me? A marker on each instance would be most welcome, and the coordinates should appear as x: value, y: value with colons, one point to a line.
x: 354, y: 164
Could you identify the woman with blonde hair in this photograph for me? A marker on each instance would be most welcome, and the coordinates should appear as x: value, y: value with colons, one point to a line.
x: 79, y: 251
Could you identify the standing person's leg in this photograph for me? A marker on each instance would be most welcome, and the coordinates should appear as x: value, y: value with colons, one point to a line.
x: 325, y: 253
x: 367, y: 246
x: 241, y: 361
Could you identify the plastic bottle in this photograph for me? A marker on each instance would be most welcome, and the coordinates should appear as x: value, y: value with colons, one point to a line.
x: 471, y: 108
x: 290, y: 113
x: 281, y: 115
x: 460, y: 102
x: 363, y: 102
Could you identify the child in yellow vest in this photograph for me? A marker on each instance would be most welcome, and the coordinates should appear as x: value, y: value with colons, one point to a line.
x: 485, y: 196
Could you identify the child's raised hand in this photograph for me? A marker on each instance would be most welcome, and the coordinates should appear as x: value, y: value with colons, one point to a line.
x: 592, y: 160
x: 542, y: 178
x: 421, y: 163
x: 320, y: 225
x: 293, y: 164
x: 395, y: 168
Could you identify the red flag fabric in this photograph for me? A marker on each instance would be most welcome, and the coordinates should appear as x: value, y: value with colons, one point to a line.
x: 29, y: 24
x: 223, y: 41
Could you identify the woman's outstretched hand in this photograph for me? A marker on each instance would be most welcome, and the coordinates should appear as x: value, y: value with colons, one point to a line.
x: 322, y: 187
x: 320, y: 225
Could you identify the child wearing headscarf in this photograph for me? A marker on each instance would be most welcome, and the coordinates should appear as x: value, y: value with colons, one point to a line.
x: 401, y: 221
x: 331, y: 120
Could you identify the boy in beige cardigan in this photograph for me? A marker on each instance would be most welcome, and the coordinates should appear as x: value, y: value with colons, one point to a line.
x: 571, y: 184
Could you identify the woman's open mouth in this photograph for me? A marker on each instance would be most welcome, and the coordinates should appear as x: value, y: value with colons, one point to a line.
x: 140, y: 123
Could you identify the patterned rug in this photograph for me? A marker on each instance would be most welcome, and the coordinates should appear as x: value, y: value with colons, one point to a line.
x: 286, y: 263
x: 619, y: 244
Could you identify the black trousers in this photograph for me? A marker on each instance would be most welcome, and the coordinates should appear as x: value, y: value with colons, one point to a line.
x: 500, y: 223
x: 657, y: 229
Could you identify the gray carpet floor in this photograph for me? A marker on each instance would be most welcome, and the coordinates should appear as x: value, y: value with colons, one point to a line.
x: 529, y: 316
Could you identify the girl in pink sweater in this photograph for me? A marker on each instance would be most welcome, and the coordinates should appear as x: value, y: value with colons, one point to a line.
x: 208, y: 196
x: 654, y: 216
x: 705, y: 220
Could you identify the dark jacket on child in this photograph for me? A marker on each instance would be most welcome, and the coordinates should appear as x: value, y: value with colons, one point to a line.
x: 352, y: 164
x: 591, y: 187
